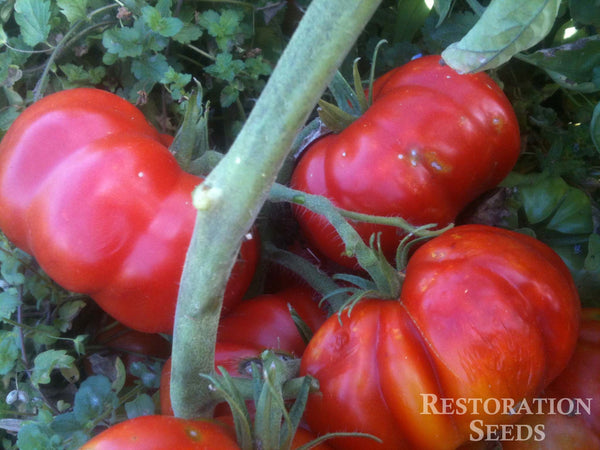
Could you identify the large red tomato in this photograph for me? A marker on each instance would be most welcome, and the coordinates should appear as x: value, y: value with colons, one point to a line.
x: 89, y: 188
x: 430, y: 143
x: 485, y: 314
x: 164, y: 432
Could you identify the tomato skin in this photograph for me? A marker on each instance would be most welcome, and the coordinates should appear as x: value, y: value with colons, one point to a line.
x: 266, y: 321
x: 431, y: 142
x: 580, y: 380
x: 483, y: 313
x: 88, y: 187
x: 164, y: 432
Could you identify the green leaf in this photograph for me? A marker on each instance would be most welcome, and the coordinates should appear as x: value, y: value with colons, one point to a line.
x: 73, y: 10
x: 151, y: 69
x: 574, y: 215
x: 506, y: 28
x: 67, y: 312
x: 10, y: 269
x: 33, y: 17
x: 442, y: 7
x: 224, y: 27
x: 78, y: 75
x: 9, y: 351
x: 46, y: 362
x: 225, y: 67
x: 165, y: 26
x: 595, y: 127
x: 229, y: 94
x: 94, y: 397
x: 124, y: 41
x: 188, y: 33
x: 3, y: 36
x: 142, y: 405
x: 541, y: 197
x: 9, y: 301
x: 592, y: 260
x: 410, y: 16
x: 571, y: 65
x: 586, y: 12
x: 37, y: 436
x: 257, y: 67
x: 438, y: 37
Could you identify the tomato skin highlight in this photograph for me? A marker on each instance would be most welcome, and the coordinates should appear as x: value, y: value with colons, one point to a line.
x: 483, y: 313
x: 431, y: 142
x: 164, y: 432
x: 88, y: 187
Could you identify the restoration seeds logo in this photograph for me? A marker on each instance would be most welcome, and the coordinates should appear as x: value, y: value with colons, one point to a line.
x: 432, y: 404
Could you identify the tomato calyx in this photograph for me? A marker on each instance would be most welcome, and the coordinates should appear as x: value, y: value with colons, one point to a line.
x: 352, y: 102
x: 274, y: 384
x: 190, y: 146
x: 274, y: 381
x: 386, y: 280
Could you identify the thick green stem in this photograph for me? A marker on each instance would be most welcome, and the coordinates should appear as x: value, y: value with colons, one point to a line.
x: 231, y: 196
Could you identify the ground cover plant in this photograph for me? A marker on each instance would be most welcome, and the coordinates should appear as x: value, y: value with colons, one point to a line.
x: 498, y: 199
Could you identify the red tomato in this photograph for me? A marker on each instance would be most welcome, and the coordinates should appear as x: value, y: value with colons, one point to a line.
x: 577, y: 386
x: 484, y: 313
x: 266, y: 320
x: 88, y: 187
x: 431, y: 142
x: 164, y: 432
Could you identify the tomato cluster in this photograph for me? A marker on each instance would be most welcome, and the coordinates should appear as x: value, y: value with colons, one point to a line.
x: 484, y: 314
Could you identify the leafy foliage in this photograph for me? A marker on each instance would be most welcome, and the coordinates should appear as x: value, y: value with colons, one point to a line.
x: 155, y: 53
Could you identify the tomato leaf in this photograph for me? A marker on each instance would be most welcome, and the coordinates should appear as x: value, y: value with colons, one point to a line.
x: 506, y: 28
x: 573, y: 65
x: 33, y: 18
x: 442, y: 7
x: 585, y: 12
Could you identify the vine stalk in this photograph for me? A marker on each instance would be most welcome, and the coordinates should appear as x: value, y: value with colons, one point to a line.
x: 230, y: 198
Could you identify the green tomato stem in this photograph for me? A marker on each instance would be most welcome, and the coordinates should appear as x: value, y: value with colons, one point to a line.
x: 230, y: 198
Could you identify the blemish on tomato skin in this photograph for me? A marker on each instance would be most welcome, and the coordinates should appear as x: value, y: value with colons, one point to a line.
x: 193, y: 435
x: 497, y: 124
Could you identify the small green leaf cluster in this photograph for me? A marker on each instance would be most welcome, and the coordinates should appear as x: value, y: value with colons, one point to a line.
x: 46, y: 400
x: 148, y: 51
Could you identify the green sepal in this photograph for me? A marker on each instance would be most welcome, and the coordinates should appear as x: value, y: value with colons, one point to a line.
x: 334, y: 117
